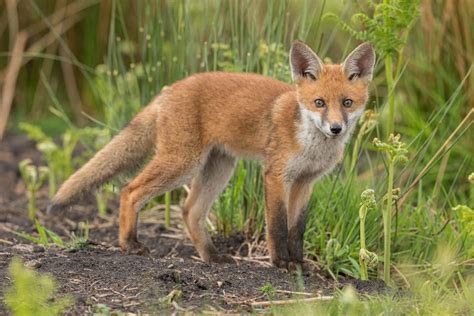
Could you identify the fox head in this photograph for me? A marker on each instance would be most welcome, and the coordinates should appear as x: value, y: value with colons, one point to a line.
x: 332, y: 96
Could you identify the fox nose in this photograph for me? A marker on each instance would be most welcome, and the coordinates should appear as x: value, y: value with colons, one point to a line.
x: 335, y: 129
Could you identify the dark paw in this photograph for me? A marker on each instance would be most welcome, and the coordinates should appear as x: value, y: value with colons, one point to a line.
x: 220, y: 258
x: 301, y: 267
x: 135, y: 248
x: 281, y: 263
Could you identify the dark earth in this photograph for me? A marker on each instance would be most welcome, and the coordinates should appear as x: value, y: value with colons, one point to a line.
x: 171, y: 279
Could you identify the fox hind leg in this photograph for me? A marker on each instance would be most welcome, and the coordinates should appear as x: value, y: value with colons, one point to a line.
x: 162, y: 174
x: 205, y: 188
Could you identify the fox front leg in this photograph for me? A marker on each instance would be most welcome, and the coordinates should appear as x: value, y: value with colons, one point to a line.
x: 297, y: 212
x: 276, y: 218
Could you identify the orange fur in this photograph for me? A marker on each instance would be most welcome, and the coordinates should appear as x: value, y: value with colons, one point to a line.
x: 198, y: 126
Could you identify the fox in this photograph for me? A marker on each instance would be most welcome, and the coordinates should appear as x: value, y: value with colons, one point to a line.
x: 195, y: 130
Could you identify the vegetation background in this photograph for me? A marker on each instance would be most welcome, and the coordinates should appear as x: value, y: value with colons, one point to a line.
x: 96, y: 63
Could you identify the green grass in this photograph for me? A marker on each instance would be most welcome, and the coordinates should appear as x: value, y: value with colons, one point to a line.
x: 167, y: 41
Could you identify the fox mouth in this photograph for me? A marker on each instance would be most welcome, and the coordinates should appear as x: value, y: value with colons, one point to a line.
x: 329, y: 135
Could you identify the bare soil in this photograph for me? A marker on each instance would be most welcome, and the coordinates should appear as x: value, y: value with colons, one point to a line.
x: 101, y: 274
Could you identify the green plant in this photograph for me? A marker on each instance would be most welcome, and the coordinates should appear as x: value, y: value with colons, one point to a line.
x: 46, y: 237
x: 34, y: 178
x: 395, y: 152
x: 366, y: 258
x: 81, y: 241
x: 387, y: 30
x: 168, y: 209
x: 268, y: 289
x: 59, y: 158
x: 102, y: 195
x: 32, y: 293
x: 429, y: 294
x: 368, y: 121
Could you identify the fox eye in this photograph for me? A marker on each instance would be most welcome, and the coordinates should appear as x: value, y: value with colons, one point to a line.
x: 347, y: 103
x: 319, y: 103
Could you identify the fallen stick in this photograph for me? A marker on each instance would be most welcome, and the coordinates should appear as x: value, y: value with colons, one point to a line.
x: 8, y: 91
x: 250, y: 259
x: 294, y: 293
x: 292, y: 301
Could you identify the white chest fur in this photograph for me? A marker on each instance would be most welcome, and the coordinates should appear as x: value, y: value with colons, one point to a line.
x: 319, y: 154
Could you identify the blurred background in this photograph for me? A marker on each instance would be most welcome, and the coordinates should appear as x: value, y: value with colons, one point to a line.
x: 69, y: 43
x: 66, y: 65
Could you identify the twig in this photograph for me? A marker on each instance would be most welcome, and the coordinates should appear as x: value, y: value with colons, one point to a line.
x: 6, y: 242
x: 170, y: 236
x: 293, y: 301
x: 294, y: 293
x: 252, y: 259
x: 10, y: 80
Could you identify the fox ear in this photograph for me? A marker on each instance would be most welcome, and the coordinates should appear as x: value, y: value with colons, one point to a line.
x: 360, y: 63
x: 304, y: 62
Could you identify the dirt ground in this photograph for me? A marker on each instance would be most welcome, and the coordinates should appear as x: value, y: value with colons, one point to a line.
x: 101, y: 274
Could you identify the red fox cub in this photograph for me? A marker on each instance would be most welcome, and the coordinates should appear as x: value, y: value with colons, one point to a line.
x: 199, y: 126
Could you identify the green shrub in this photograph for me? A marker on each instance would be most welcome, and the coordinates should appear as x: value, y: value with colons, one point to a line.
x: 32, y: 293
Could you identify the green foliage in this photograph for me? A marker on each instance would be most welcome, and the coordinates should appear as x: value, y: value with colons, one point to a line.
x: 46, y: 237
x: 172, y: 40
x: 427, y: 293
x: 386, y: 29
x: 81, y: 241
x: 34, y: 178
x: 32, y: 293
x: 268, y: 289
x: 396, y: 152
x: 102, y: 196
x: 59, y: 159
x: 366, y: 258
x: 104, y: 310
x: 395, y: 149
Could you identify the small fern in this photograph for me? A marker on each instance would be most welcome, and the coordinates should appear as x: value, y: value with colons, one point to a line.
x: 387, y: 30
x: 388, y: 26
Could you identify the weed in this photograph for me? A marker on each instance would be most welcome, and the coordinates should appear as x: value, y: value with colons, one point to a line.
x: 167, y: 209
x: 46, y: 237
x: 387, y: 30
x: 80, y: 241
x: 102, y: 195
x: 171, y: 297
x: 60, y: 159
x: 395, y: 151
x: 268, y: 289
x: 366, y: 257
x: 32, y: 293
x: 34, y: 178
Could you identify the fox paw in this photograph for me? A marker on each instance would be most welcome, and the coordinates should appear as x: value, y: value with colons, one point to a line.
x: 135, y: 248
x: 281, y: 263
x: 302, y: 267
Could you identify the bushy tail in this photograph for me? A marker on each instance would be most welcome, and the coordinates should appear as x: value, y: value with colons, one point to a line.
x: 126, y: 151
